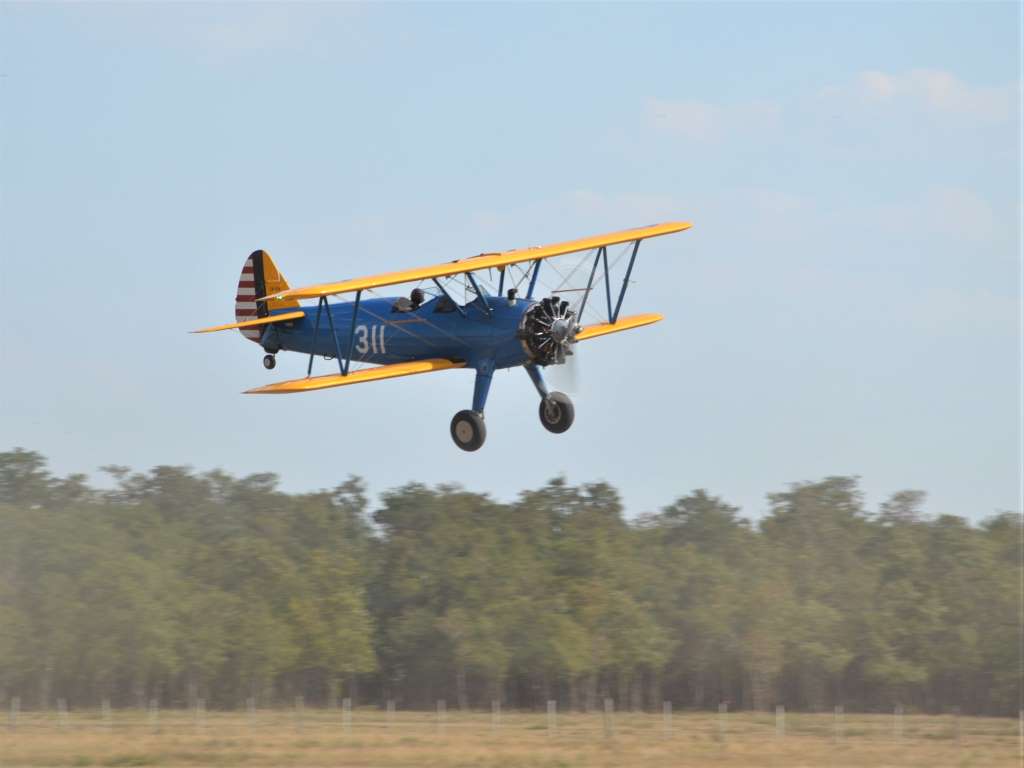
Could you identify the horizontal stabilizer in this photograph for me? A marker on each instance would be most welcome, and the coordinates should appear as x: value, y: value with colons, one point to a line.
x: 253, y: 323
x: 356, y: 377
x: 623, y: 324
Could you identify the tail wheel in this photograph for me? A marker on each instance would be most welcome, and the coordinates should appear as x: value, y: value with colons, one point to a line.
x: 468, y: 430
x: 556, y: 412
x: 269, y: 361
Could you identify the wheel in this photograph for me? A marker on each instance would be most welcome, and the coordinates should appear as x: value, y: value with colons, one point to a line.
x: 468, y: 430
x: 556, y: 412
x: 269, y: 361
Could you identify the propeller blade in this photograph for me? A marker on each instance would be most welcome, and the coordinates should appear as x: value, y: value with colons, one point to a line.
x: 566, y: 377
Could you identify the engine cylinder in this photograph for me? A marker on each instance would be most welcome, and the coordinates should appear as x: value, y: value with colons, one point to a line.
x: 548, y: 331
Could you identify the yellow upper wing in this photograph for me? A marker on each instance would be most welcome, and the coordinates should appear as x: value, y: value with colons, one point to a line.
x: 483, y: 261
x: 356, y: 377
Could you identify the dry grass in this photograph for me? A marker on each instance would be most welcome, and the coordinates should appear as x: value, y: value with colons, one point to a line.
x: 319, y: 738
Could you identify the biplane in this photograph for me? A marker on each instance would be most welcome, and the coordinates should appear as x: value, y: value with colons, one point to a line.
x: 437, y: 327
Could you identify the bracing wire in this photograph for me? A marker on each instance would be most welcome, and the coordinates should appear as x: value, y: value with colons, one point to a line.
x: 593, y: 308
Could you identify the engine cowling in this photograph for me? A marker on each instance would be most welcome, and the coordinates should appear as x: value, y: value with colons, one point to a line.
x: 548, y: 331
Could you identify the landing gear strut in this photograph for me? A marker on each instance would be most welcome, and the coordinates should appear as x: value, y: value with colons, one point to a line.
x: 468, y: 430
x: 269, y: 361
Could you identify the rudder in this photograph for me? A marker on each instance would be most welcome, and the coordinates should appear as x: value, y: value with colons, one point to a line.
x: 260, y: 276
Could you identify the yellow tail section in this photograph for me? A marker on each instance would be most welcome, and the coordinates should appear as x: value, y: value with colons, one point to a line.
x: 260, y: 276
x: 274, y: 282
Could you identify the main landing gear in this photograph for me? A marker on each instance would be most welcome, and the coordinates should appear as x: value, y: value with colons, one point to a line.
x: 269, y: 361
x: 556, y: 411
x: 468, y: 428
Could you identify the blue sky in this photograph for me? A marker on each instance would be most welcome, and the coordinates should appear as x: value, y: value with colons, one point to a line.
x: 847, y: 302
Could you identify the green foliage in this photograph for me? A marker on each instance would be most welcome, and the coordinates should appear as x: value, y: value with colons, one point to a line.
x: 177, y: 585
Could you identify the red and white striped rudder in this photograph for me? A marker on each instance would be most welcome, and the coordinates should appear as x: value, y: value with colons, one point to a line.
x: 259, y: 277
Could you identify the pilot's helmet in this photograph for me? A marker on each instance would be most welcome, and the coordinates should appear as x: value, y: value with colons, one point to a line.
x: 417, y: 296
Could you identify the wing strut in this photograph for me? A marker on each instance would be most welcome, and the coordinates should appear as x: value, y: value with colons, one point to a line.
x: 316, y: 329
x: 344, y: 363
x: 479, y: 293
x: 449, y: 297
x: 625, y: 282
x: 602, y: 256
x: 607, y: 284
x: 533, y: 279
x: 351, y: 335
x: 590, y: 282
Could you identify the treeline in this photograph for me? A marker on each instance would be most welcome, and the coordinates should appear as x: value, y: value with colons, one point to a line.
x: 176, y: 585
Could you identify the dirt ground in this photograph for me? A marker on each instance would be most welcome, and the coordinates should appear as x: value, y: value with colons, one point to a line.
x: 371, y: 737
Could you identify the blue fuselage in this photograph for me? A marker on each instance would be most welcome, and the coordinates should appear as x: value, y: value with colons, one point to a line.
x: 381, y: 335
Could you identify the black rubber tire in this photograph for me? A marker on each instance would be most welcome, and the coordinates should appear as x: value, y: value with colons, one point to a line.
x: 468, y: 430
x: 556, y: 412
x: 269, y: 362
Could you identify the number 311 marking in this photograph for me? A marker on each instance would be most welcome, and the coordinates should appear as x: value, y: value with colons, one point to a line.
x: 370, y: 339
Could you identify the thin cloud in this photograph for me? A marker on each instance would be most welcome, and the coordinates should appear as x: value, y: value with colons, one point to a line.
x: 705, y: 121
x: 953, y: 212
x: 591, y: 204
x: 265, y: 28
x: 933, y: 91
x: 937, y: 91
x: 245, y: 30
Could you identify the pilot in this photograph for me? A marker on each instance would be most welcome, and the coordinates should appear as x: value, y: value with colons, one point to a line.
x: 402, y: 304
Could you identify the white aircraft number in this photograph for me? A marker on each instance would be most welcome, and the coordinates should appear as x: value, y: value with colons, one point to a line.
x: 370, y: 339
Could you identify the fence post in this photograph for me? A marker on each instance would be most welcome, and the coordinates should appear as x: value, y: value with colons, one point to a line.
x: 723, y: 714
x: 250, y: 708
x: 154, y: 716
x: 956, y: 725
x: 201, y: 714
x: 391, y: 712
x: 552, y: 716
x: 780, y: 721
x: 495, y: 714
x: 666, y: 717
x: 442, y: 711
x: 346, y: 714
x: 837, y: 723
x: 105, y: 710
x: 609, y: 718
x: 897, y: 722
x: 12, y: 718
x: 62, y: 713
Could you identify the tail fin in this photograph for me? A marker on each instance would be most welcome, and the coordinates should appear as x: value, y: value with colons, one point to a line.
x: 260, y: 276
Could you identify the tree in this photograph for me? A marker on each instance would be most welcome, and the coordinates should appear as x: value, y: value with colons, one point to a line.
x: 175, y: 585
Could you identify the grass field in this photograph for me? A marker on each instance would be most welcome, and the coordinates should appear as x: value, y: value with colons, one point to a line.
x: 373, y: 738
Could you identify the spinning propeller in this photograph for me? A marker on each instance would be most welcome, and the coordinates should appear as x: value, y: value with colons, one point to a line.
x: 566, y: 377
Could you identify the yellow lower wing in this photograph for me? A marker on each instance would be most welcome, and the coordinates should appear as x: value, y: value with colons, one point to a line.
x: 356, y: 377
x: 623, y: 324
